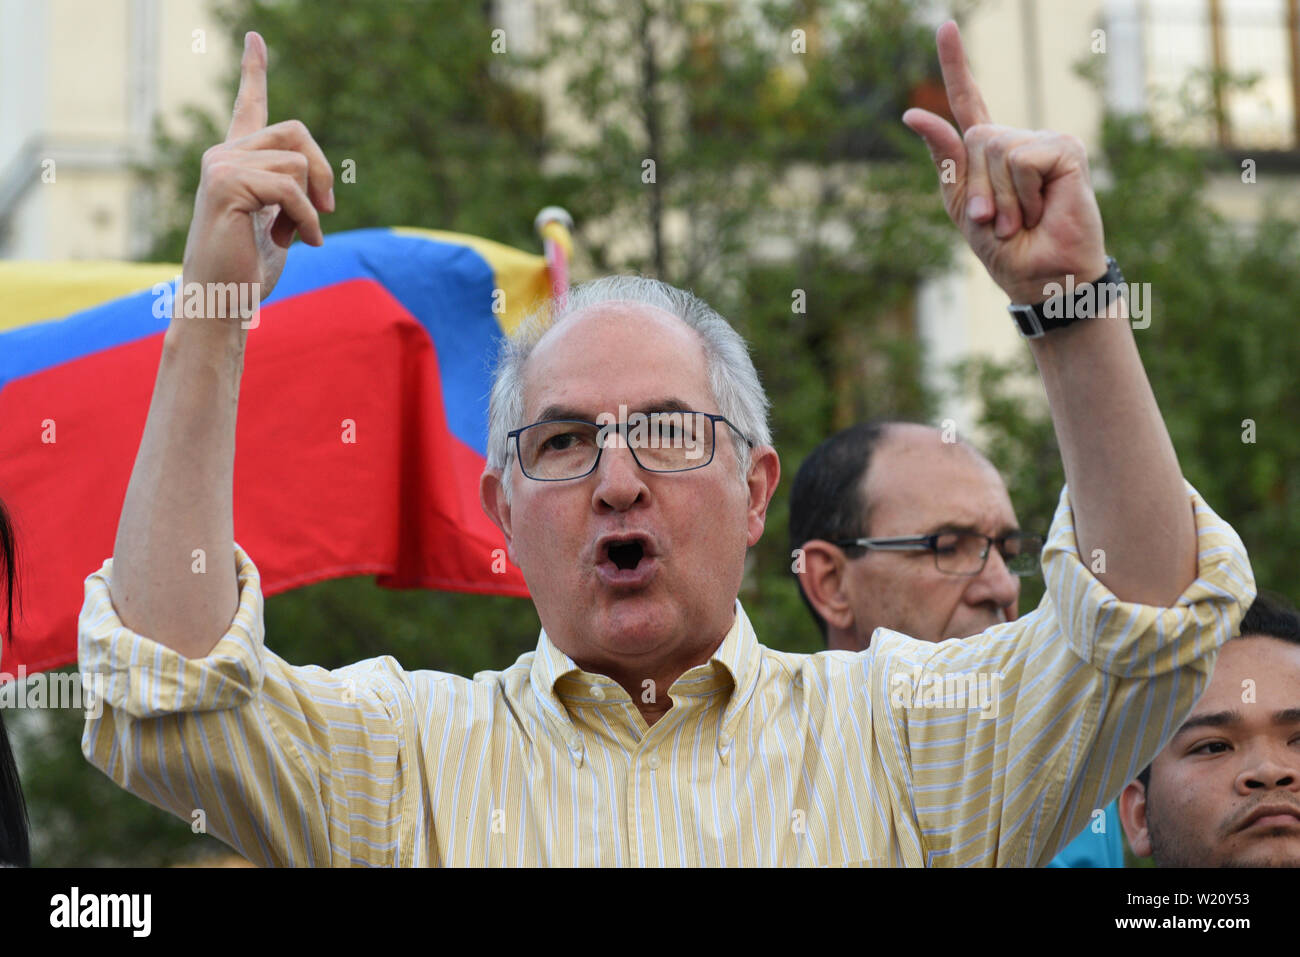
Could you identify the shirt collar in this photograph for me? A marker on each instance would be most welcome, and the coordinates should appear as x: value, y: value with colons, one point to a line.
x: 735, y: 664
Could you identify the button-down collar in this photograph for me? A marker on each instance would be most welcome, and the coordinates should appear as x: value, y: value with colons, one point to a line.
x: 732, y: 671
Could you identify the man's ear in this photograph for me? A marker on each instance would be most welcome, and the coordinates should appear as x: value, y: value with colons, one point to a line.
x: 823, y: 579
x: 764, y: 474
x: 1133, y: 815
x: 492, y: 496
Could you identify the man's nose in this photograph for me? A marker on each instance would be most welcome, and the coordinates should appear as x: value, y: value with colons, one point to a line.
x: 1272, y: 765
x: 620, y: 481
x: 995, y: 584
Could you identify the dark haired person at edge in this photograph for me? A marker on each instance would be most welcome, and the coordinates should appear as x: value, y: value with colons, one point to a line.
x: 1225, y: 791
x: 14, y: 850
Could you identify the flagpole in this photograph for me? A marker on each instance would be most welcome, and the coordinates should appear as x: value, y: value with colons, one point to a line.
x: 555, y: 226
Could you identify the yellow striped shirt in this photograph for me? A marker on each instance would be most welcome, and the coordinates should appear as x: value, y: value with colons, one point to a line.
x: 989, y: 750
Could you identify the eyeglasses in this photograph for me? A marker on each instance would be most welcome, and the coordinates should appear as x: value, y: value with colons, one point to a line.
x: 556, y: 450
x: 962, y: 553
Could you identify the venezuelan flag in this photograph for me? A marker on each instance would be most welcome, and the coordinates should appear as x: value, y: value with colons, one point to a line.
x: 362, y: 417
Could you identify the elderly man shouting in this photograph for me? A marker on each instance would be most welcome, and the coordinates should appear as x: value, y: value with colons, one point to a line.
x: 650, y: 726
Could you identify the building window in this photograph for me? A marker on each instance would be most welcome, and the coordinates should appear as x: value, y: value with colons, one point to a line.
x: 1186, y: 43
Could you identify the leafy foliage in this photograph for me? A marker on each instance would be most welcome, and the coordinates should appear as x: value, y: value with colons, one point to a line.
x: 410, y: 93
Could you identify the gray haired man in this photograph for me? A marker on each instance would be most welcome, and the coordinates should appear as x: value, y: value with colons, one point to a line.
x: 650, y: 726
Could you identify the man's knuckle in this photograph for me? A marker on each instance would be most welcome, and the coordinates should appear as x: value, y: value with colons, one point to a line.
x: 983, y: 135
x: 1071, y: 143
x: 1004, y: 141
x: 1019, y: 155
x: 220, y: 173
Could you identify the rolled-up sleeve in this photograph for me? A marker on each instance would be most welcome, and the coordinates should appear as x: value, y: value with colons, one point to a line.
x: 1080, y: 695
x: 288, y: 765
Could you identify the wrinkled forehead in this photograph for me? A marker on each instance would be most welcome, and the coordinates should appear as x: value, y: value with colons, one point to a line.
x: 616, y: 353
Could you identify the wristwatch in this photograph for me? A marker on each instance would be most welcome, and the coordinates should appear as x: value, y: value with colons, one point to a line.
x: 1071, y: 303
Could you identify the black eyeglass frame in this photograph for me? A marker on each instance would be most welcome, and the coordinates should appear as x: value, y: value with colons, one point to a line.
x: 930, y: 543
x: 622, y: 427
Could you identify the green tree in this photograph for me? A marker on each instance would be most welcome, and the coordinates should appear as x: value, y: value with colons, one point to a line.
x: 426, y: 120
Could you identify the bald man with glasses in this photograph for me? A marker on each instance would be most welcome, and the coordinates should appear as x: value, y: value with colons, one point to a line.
x: 894, y: 527
x: 897, y: 528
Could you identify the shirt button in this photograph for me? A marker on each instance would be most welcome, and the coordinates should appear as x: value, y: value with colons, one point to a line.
x: 598, y: 693
x: 653, y: 762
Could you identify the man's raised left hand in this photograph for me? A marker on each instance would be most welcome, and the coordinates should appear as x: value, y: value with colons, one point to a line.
x: 1022, y: 198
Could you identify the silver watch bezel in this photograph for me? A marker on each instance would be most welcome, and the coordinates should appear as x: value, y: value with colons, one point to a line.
x: 1025, y: 316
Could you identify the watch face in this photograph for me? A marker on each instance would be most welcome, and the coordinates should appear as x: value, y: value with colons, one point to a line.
x: 1031, y: 327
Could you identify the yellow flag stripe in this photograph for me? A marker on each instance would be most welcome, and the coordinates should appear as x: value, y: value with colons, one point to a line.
x: 39, y: 291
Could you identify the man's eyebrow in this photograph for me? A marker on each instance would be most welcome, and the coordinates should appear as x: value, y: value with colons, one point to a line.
x: 667, y: 404
x: 561, y: 412
x: 1220, y: 719
x: 1211, y: 719
x: 1289, y: 716
x: 947, y: 527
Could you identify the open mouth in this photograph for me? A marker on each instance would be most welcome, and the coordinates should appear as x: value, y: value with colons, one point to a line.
x: 626, y: 555
x: 628, y: 561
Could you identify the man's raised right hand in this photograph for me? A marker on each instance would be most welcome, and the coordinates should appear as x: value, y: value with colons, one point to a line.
x: 258, y: 188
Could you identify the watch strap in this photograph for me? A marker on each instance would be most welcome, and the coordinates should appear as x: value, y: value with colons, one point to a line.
x: 1072, y: 304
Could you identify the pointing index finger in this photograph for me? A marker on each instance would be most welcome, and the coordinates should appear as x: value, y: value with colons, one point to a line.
x: 249, y: 114
x: 963, y: 95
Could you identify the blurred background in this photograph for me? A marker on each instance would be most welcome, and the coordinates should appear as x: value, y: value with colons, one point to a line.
x: 787, y: 193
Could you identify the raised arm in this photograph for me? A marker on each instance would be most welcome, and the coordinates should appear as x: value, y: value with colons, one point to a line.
x: 257, y: 188
x: 1025, y: 203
